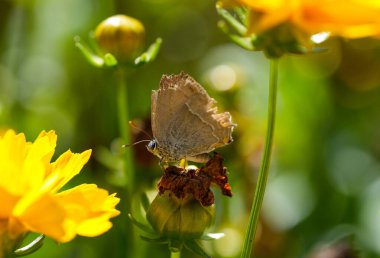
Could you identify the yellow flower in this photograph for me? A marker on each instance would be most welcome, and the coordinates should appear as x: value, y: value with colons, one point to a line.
x: 347, y: 18
x: 30, y: 200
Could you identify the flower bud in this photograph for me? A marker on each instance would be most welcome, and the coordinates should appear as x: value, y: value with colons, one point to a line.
x: 179, y: 218
x: 121, y: 36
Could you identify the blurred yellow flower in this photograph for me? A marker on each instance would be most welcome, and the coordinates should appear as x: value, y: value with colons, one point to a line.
x: 29, y: 186
x: 347, y: 18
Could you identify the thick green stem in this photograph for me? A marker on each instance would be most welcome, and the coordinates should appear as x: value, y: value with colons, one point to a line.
x: 264, y: 168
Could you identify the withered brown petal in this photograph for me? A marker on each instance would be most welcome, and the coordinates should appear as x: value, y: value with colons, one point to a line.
x: 182, y: 182
x: 218, y: 173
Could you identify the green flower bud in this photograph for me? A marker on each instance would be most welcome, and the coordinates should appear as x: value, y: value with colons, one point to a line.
x: 179, y: 218
x: 122, y: 36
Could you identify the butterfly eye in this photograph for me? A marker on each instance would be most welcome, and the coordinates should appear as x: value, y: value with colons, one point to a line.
x: 152, y: 146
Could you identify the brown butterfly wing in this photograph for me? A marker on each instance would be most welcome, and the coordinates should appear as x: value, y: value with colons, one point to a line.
x: 185, y: 122
x: 166, y: 102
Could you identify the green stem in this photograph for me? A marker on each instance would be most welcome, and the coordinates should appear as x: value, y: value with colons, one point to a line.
x: 128, y: 166
x: 175, y: 254
x: 124, y: 128
x: 264, y: 168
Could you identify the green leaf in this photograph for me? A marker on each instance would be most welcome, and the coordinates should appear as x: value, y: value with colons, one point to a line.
x: 145, y: 202
x: 244, y: 42
x: 196, y: 248
x: 241, y: 12
x: 92, y: 58
x: 231, y: 20
x: 110, y: 60
x: 149, y: 55
x: 30, y: 248
x: 147, y: 229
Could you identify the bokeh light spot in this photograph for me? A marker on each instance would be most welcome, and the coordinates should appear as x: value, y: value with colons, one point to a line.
x: 223, y: 77
x: 230, y: 244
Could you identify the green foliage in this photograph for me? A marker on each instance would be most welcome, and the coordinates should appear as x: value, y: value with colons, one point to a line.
x: 324, y: 183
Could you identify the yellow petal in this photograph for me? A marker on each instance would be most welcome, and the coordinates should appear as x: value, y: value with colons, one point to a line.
x: 37, y: 160
x: 348, y: 18
x: 45, y: 215
x: 265, y: 15
x: 94, y: 227
x: 13, y: 149
x: 259, y: 23
x: 227, y: 3
x: 88, y: 209
x: 64, y: 169
x: 265, y: 5
x: 23, y: 165
x: 15, y: 228
x: 50, y: 141
x: 8, y: 202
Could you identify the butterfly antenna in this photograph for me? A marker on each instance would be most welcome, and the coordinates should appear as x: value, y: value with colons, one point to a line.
x: 132, y: 144
x: 134, y: 126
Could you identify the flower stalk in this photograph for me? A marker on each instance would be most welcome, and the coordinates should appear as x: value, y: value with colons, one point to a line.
x: 119, y: 40
x: 124, y: 128
x: 128, y: 164
x: 264, y: 168
x: 176, y: 254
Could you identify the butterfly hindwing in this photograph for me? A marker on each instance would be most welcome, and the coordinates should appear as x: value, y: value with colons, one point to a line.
x: 185, y: 121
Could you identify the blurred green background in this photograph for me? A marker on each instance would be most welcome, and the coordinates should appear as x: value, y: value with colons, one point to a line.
x: 324, y: 187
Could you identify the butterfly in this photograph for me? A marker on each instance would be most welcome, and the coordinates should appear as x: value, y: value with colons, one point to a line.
x: 185, y: 121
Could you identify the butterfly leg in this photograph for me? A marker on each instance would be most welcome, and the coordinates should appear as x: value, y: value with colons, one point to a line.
x: 183, y: 163
x: 162, y: 164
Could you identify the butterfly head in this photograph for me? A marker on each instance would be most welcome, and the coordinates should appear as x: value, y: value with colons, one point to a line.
x: 152, y: 147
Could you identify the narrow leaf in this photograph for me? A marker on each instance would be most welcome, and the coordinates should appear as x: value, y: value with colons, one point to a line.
x: 244, y: 42
x: 149, y: 55
x: 147, y: 229
x: 145, y: 201
x: 30, y: 248
x: 231, y: 20
x: 241, y: 12
x: 93, y: 59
